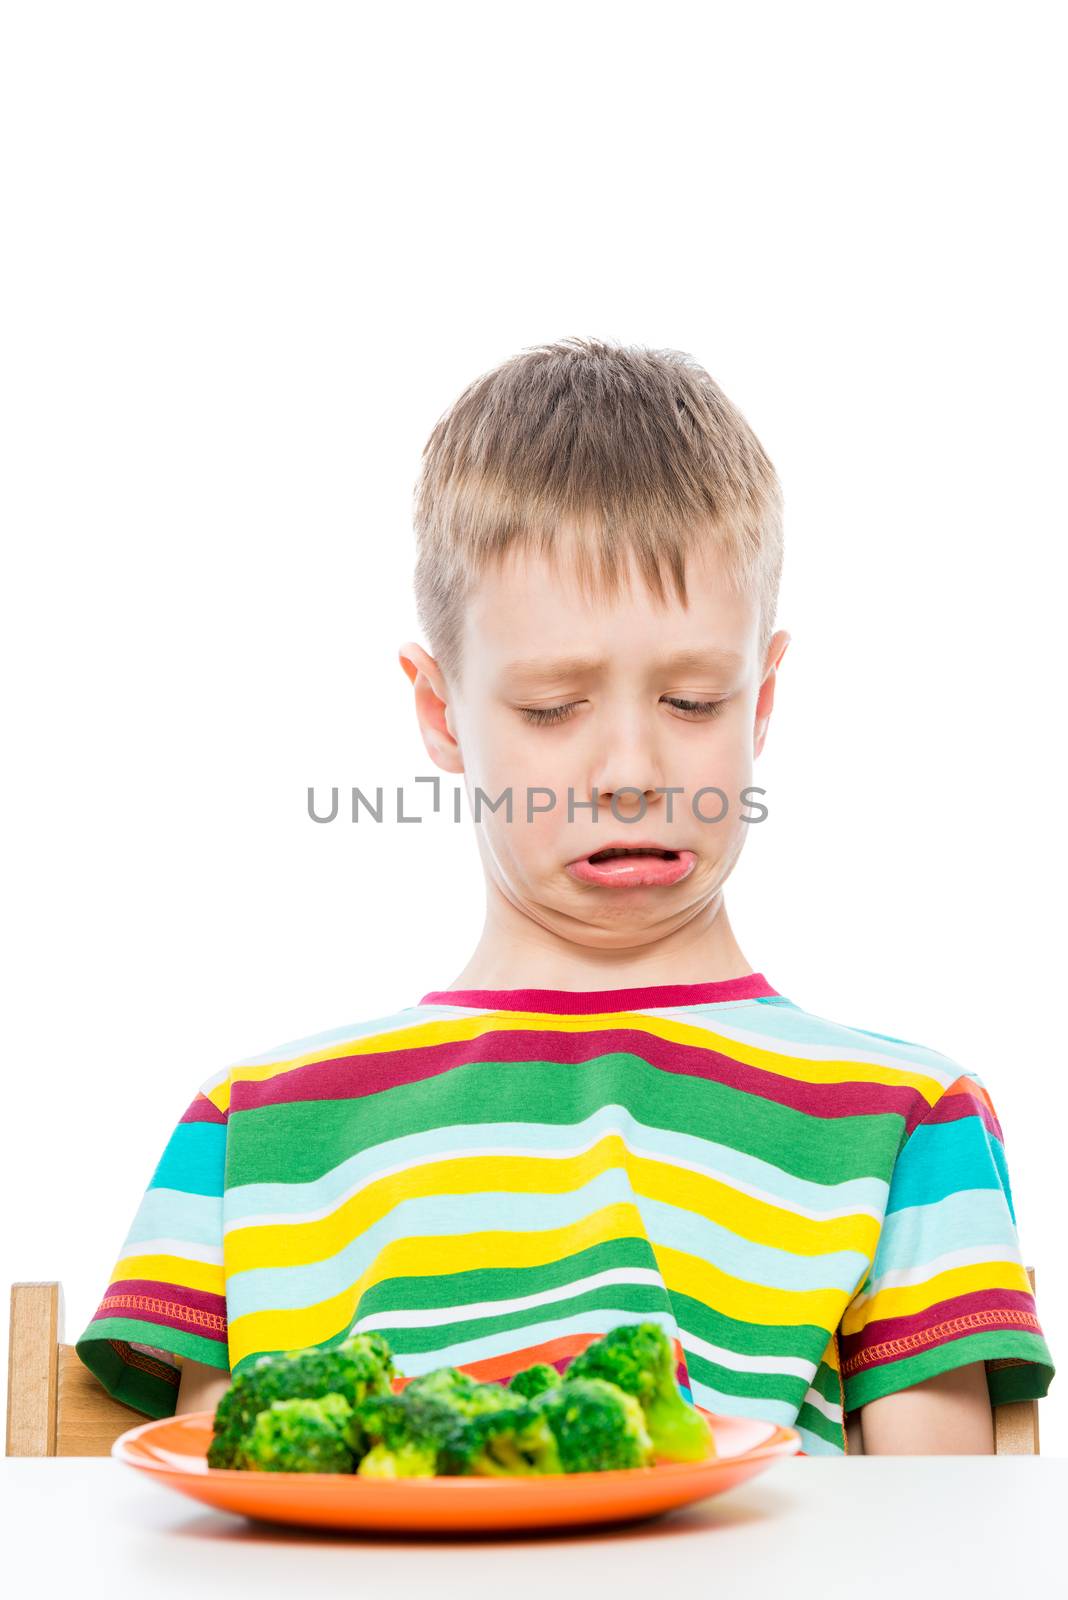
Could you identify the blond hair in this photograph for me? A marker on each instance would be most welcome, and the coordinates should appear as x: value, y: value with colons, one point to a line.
x: 638, y: 448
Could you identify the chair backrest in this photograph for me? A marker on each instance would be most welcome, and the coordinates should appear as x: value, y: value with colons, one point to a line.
x: 56, y: 1407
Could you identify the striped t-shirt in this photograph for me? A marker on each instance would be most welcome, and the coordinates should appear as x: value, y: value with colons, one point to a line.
x: 817, y: 1214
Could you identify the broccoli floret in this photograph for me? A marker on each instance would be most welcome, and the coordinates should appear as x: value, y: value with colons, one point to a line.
x: 461, y: 1393
x: 517, y: 1442
x: 597, y: 1427
x: 402, y: 1435
x: 534, y: 1380
x: 639, y: 1359
x: 447, y: 1423
x: 361, y: 1365
x: 407, y: 1460
x: 299, y: 1436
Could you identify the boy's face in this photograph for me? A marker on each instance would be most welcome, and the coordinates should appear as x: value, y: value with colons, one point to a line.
x: 565, y: 691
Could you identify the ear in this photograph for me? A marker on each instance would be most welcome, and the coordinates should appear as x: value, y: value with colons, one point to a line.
x: 431, y: 707
x: 766, y: 696
x: 407, y: 660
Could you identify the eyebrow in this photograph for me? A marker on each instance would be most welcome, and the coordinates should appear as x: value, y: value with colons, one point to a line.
x: 538, y: 668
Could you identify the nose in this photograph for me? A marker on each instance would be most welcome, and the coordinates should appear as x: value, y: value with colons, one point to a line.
x: 629, y: 773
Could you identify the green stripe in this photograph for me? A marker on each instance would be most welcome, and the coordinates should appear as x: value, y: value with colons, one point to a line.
x: 131, y: 1385
x: 1005, y: 1383
x: 804, y: 1340
x: 628, y: 1298
x: 826, y: 1383
x: 757, y: 1385
x: 435, y: 1292
x: 816, y: 1422
x: 487, y: 1285
x: 301, y: 1141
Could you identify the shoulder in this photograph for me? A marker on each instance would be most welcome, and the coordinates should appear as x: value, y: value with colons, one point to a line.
x: 806, y: 1034
x: 877, y: 1072
x: 311, y: 1050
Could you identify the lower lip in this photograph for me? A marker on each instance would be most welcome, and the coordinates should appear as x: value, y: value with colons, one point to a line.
x: 634, y: 872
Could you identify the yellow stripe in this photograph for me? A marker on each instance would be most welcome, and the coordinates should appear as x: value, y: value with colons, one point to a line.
x: 291, y: 1244
x: 428, y: 1034
x: 903, y: 1302
x: 421, y: 1258
x: 428, y: 1257
x: 185, y: 1274
x: 748, y: 1302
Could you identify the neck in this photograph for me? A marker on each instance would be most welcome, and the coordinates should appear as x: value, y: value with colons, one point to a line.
x: 515, y: 952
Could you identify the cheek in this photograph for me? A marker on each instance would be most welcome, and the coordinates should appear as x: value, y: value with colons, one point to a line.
x: 722, y: 758
x: 511, y: 761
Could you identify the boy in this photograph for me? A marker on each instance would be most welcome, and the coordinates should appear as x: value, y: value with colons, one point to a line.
x: 608, y: 1115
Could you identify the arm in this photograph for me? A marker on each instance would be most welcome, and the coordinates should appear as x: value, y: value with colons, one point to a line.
x: 947, y: 1415
x: 916, y: 1311
x: 201, y: 1387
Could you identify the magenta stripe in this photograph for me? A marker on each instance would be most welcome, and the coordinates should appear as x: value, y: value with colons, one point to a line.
x: 751, y: 986
x: 351, y: 1077
x: 943, y: 1311
x: 951, y: 1107
x: 203, y: 1110
x: 169, y: 1304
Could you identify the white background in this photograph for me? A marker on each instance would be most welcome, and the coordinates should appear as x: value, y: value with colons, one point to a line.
x: 252, y: 252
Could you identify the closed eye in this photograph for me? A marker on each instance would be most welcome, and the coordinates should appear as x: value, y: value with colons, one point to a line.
x: 696, y: 709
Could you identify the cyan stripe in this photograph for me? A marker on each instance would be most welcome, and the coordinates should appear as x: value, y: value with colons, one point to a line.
x: 814, y: 1444
x: 939, y: 1157
x: 251, y: 1200
x: 194, y: 1159
x: 998, y: 1152
x: 966, y: 1220
x: 173, y: 1214
x: 788, y: 1025
x: 762, y: 1407
x: 451, y: 1215
x: 351, y: 1030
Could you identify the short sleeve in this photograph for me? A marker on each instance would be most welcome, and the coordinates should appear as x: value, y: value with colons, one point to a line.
x: 166, y: 1298
x: 947, y: 1285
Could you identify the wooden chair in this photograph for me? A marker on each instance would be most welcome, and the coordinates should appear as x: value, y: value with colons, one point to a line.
x: 56, y: 1407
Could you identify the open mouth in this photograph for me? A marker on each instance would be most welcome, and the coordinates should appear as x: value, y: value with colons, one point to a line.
x: 611, y: 854
x: 647, y: 866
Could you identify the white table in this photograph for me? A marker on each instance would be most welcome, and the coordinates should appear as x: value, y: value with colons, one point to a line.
x: 870, y: 1526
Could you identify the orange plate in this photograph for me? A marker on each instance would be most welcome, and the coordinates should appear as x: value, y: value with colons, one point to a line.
x: 174, y: 1451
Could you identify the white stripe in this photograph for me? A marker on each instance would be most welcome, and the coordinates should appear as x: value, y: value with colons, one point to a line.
x: 440, y: 1316
x: 214, y: 1081
x: 787, y: 1366
x: 830, y: 1408
x: 211, y: 1254
x: 907, y: 1277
